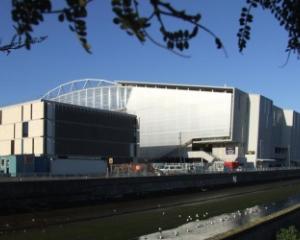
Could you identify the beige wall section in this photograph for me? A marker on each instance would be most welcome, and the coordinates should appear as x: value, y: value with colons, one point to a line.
x: 38, y: 146
x: 36, y: 128
x: 18, y: 130
x: 38, y: 110
x: 27, y: 112
x: 18, y: 146
x: 6, y: 132
x: 11, y: 115
x: 11, y: 128
x: 27, y: 145
x: 5, y: 147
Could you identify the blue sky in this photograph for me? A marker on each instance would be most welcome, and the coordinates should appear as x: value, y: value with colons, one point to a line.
x: 26, y: 75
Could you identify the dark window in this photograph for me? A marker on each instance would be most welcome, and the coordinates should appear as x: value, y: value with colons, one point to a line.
x: 12, y: 147
x: 25, y: 129
x: 0, y: 117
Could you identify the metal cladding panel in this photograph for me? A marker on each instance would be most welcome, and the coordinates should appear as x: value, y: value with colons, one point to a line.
x: 27, y: 146
x: 295, y: 149
x: 265, y: 129
x: 41, y: 165
x: 172, y: 117
x: 90, y: 132
x: 278, y: 126
x: 38, y: 110
x: 78, y: 166
x: 254, y: 124
x: 27, y: 112
x: 5, y: 148
x: 11, y: 115
x: 38, y: 145
x: 240, y: 124
x: 49, y: 145
x: 36, y: 128
x: 6, y: 132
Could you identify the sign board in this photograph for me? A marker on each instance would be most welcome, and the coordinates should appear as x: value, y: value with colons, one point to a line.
x: 230, y: 150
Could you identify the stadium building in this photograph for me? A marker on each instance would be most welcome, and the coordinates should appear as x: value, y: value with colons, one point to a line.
x: 195, y: 122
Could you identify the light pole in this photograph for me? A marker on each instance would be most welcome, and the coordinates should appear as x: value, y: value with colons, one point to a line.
x: 179, y: 148
x: 289, y: 156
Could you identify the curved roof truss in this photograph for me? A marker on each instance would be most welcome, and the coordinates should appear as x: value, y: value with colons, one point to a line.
x: 77, y: 85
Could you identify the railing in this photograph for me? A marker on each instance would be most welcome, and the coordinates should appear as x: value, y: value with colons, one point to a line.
x: 139, y: 170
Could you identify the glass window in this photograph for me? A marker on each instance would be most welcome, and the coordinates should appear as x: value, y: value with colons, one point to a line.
x: 25, y: 129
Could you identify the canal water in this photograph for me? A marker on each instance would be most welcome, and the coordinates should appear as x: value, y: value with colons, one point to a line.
x: 185, y: 216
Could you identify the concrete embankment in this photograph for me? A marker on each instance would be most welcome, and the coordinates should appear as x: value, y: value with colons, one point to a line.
x: 46, y: 193
x: 265, y: 227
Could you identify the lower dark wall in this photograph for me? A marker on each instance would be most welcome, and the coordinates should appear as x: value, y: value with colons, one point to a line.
x: 28, y: 194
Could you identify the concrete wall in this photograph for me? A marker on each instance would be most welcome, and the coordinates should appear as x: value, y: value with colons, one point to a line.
x: 33, y: 193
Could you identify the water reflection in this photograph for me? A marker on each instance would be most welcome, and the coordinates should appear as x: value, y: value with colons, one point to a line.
x: 197, y: 228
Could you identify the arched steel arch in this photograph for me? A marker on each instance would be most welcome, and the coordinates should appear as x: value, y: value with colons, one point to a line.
x: 96, y: 93
x: 76, y: 85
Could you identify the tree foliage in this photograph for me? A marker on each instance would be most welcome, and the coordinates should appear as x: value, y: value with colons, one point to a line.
x: 26, y: 14
x: 290, y: 233
x: 287, y: 14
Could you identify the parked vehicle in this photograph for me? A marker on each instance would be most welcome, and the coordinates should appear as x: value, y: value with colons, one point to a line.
x: 172, y: 169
